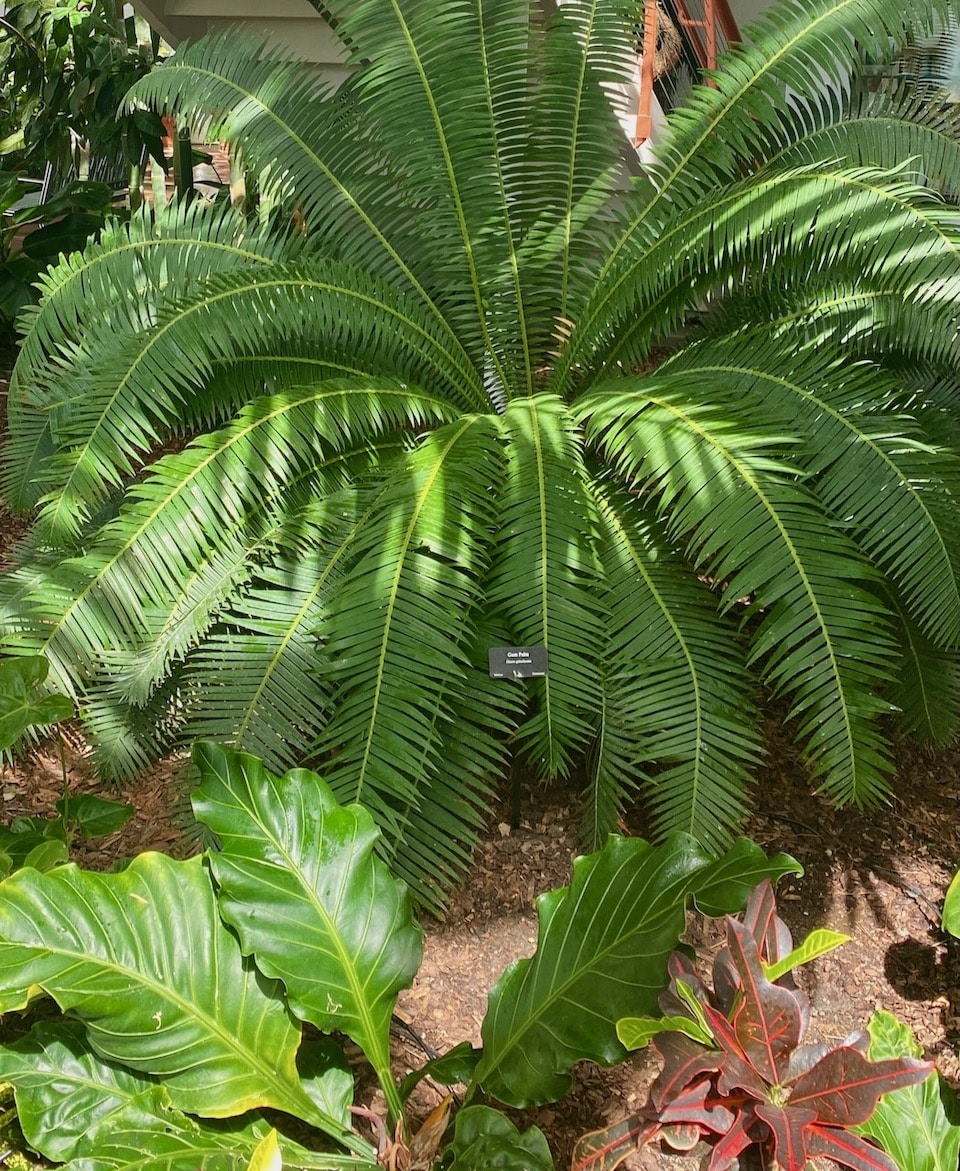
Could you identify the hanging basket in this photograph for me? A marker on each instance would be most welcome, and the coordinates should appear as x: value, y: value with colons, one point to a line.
x: 669, y: 44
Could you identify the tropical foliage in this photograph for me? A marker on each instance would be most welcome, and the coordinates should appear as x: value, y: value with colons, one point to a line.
x: 735, y: 1070
x: 184, y: 988
x: 295, y: 475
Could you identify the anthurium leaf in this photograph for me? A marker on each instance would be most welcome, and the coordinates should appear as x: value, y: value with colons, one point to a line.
x: 920, y: 1124
x: 22, y: 705
x: 143, y: 959
x: 843, y: 1087
x: 817, y: 943
x: 300, y: 883
x: 951, y: 907
x: 637, y: 1032
x: 605, y: 1149
x: 62, y: 1088
x: 327, y: 1077
x: 602, y: 954
x: 767, y: 1021
x: 484, y: 1139
x: 95, y: 816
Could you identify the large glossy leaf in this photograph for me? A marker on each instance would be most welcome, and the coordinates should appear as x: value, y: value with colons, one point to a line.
x: 148, y: 1134
x: 920, y: 1124
x: 602, y: 954
x: 63, y: 1089
x: 143, y: 960
x: 299, y: 881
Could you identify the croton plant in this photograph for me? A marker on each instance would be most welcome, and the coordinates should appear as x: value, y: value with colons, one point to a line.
x: 736, y: 1071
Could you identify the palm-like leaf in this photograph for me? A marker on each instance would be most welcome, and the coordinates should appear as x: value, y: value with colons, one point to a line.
x: 416, y: 416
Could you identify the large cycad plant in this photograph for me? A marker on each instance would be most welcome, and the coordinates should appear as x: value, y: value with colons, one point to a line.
x: 468, y: 380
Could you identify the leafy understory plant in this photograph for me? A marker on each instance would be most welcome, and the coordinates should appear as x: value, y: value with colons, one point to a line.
x: 184, y: 987
x: 44, y: 842
x: 291, y: 480
x: 736, y: 1070
x: 918, y: 1125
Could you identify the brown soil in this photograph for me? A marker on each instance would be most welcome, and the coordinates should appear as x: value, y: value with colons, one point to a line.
x: 879, y: 876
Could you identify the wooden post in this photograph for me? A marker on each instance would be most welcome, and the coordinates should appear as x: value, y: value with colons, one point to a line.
x: 644, y: 125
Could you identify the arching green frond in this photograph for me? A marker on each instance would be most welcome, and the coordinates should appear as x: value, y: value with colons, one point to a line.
x: 180, y: 521
x: 870, y: 223
x: 886, y: 128
x: 325, y: 160
x: 395, y: 638
x: 124, y: 739
x: 820, y: 637
x: 872, y: 467
x: 810, y: 47
x: 145, y: 384
x: 115, y: 284
x: 677, y: 692
x: 460, y: 117
x: 876, y: 322
x: 574, y: 153
x: 926, y: 689
x: 545, y: 578
x: 254, y: 683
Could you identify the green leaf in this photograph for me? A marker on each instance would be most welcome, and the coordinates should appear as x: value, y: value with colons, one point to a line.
x: 919, y: 1126
x: 299, y: 881
x: 149, y: 1135
x: 21, y: 703
x: 602, y: 954
x: 142, y: 958
x: 47, y: 855
x: 483, y: 1139
x: 951, y: 907
x: 95, y: 816
x: 726, y: 886
x: 63, y: 1089
x: 456, y: 1066
x: 637, y: 1032
x: 267, y: 1155
x: 817, y: 943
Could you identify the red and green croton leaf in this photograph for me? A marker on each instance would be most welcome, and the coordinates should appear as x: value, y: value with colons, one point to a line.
x: 735, y: 1071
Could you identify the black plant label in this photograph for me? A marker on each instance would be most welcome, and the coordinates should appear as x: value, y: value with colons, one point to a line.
x: 517, y: 662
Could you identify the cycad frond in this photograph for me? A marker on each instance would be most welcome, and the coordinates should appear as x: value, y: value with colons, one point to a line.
x: 392, y: 666
x: 871, y: 467
x: 676, y: 693
x: 146, y: 384
x: 874, y: 224
x: 254, y: 683
x: 115, y: 285
x: 926, y: 689
x: 181, y: 521
x: 545, y: 577
x: 821, y: 638
x: 886, y: 128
